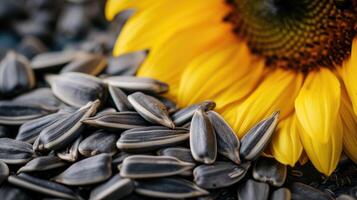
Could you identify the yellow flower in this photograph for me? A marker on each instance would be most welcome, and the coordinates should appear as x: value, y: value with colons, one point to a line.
x: 254, y: 57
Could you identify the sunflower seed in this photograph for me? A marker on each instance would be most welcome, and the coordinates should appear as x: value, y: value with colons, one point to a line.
x: 16, y: 75
x: 119, y: 157
x: 180, y: 153
x: 151, y: 138
x: 169, y: 104
x: 88, y: 171
x: 281, y: 194
x: 134, y: 84
x: 300, y: 191
x: 50, y: 60
x: 40, y: 96
x: 86, y: 63
x: 70, y: 153
x: 8, y: 192
x: 227, y: 141
x: 144, y: 166
x: 185, y: 115
x: 126, y: 64
x: 203, y: 142
x: 253, y: 190
x: 42, y: 186
x: 219, y: 174
x: 115, y: 188
x: 31, y: 46
x: 345, y: 197
x: 99, y: 142
x: 4, y: 171
x: 258, y: 137
x: 42, y: 163
x: 117, y: 120
x: 15, y: 152
x: 30, y: 130
x: 150, y: 109
x: 120, y: 99
x: 64, y: 131
x: 173, y: 188
x: 270, y: 171
x: 17, y: 113
x: 76, y: 89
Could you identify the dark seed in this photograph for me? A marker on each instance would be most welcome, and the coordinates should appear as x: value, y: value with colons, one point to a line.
x: 99, y: 142
x: 70, y: 153
x: 86, y: 63
x: 41, y: 97
x: 180, y: 153
x: 185, y: 115
x: 8, y: 192
x: 120, y: 99
x: 115, y: 188
x: 4, y: 171
x: 126, y: 64
x: 300, y: 191
x: 51, y: 60
x: 281, y: 194
x: 253, y: 190
x: 270, y: 171
x: 15, y: 152
x: 42, y: 163
x: 134, y: 84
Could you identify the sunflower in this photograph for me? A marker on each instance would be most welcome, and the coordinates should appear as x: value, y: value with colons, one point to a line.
x: 254, y: 57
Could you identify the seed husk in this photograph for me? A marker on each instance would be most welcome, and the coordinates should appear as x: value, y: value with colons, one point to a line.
x: 87, y: 63
x: 301, y: 191
x: 50, y: 60
x: 185, y: 115
x: 180, y: 153
x: 258, y: 137
x: 270, y: 171
x: 151, y: 109
x: 18, y: 113
x: 9, y: 192
x: 203, y: 141
x: 87, y: 171
x: 134, y: 84
x: 117, y: 120
x: 42, y: 163
x: 120, y: 99
x: 150, y: 138
x: 4, y: 171
x: 15, y: 152
x: 173, y: 188
x: 281, y: 194
x: 219, y: 174
x: 29, y: 131
x: 70, y: 153
x: 99, y: 142
x: 16, y: 75
x: 115, y: 188
x: 42, y: 186
x: 126, y: 64
x: 39, y: 96
x: 31, y: 46
x: 68, y: 129
x: 227, y: 142
x: 145, y: 166
x: 76, y: 89
x: 253, y: 190
x: 170, y: 105
x: 119, y: 157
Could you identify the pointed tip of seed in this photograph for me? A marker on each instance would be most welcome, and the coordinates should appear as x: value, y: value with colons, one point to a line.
x: 276, y: 114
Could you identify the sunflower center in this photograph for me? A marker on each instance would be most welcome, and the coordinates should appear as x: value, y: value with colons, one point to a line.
x: 296, y: 34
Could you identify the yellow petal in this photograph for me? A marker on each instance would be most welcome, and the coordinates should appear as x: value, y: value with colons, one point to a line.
x: 113, y: 7
x: 286, y: 146
x: 349, y: 74
x: 276, y: 93
x: 320, y: 127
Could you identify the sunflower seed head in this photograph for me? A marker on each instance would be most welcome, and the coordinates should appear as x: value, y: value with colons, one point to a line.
x: 281, y: 194
x: 151, y: 109
x: 126, y: 64
x: 270, y: 171
x: 180, y: 153
x: 86, y: 63
x: 42, y: 163
x: 303, y: 191
x: 15, y: 152
x: 50, y: 60
x: 203, y: 141
x: 253, y: 190
x: 115, y: 188
x: 99, y: 142
x: 143, y: 166
x: 120, y: 99
x: 185, y: 115
x: 258, y: 137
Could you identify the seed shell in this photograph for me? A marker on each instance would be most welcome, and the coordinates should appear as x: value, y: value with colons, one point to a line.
x: 120, y: 99
x: 99, y: 142
x: 270, y: 171
x: 126, y: 64
x: 253, y: 190
x: 87, y: 63
x: 134, y: 84
x: 301, y: 191
x: 70, y: 153
x: 115, y: 188
x: 42, y: 163
x: 15, y: 152
x: 4, y: 171
x: 180, y: 153
x: 185, y: 115
x: 281, y: 194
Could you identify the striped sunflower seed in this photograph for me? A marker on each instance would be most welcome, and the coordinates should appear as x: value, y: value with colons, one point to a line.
x: 281, y: 194
x: 185, y: 115
x: 180, y: 153
x: 87, y: 171
x: 126, y: 64
x: 4, y: 171
x: 119, y: 157
x: 151, y: 138
x: 64, y: 131
x: 144, y: 166
x: 87, y: 63
x: 50, y: 60
x: 70, y: 153
x: 227, y: 141
x: 173, y: 188
x: 39, y: 96
x: 258, y: 137
x: 151, y: 109
x: 9, y: 192
x: 117, y: 120
x: 29, y: 131
x: 99, y: 142
x: 42, y: 163
x: 301, y: 191
x: 203, y: 141
x: 219, y: 174
x: 134, y: 84
x: 270, y: 171
x: 15, y: 152
x: 16, y: 75
x: 169, y: 104
x: 42, y: 186
x: 76, y: 89
x: 115, y: 188
x: 253, y: 190
x: 120, y: 99
x: 18, y: 113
